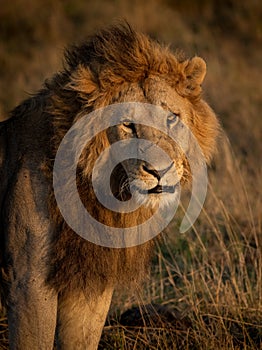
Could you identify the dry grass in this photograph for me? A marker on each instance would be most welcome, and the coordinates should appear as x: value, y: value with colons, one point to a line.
x: 209, y: 279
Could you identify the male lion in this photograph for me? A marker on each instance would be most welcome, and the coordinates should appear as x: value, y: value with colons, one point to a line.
x: 55, y: 280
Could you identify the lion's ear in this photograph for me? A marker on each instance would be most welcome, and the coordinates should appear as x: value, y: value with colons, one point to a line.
x: 195, y: 70
x: 193, y: 73
x: 82, y: 80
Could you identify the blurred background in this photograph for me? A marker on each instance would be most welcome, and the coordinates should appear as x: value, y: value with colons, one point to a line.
x: 220, y: 258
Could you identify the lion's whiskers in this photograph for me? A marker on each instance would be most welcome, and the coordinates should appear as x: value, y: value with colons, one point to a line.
x: 124, y: 186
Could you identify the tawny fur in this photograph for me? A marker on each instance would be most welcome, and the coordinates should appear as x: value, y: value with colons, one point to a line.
x: 104, y: 70
x: 98, y: 73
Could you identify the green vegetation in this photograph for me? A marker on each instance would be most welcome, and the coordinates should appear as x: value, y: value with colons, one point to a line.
x: 209, y: 279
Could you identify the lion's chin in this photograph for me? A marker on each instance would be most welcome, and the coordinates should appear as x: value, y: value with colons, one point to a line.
x: 151, y: 200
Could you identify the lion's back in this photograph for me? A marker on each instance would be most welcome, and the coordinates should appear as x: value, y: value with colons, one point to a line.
x: 24, y: 139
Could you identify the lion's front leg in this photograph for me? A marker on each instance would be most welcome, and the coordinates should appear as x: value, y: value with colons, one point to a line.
x: 32, y: 313
x: 31, y: 302
x: 81, y: 319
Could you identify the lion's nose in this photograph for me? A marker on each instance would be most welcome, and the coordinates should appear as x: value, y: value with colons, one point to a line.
x: 158, y: 173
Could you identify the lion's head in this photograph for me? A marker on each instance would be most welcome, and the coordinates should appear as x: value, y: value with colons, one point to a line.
x: 120, y: 65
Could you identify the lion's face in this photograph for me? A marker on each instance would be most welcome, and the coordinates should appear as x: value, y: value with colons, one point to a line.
x: 161, y: 80
x: 147, y: 183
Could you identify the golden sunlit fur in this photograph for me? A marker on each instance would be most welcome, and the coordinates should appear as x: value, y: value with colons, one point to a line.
x: 116, y: 65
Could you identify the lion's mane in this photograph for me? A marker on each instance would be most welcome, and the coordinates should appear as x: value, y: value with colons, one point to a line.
x: 97, y: 74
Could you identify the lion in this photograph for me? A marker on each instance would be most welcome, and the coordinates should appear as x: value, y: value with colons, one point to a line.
x: 58, y: 284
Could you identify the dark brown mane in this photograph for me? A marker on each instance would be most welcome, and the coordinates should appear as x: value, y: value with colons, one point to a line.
x: 120, y: 54
x: 124, y: 52
x: 53, y: 276
x: 96, y: 73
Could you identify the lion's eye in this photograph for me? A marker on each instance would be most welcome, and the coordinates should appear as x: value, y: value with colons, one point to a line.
x: 172, y: 119
x: 129, y: 126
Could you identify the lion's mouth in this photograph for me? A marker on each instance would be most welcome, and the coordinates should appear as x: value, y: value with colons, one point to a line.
x: 123, y: 189
x: 159, y: 189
